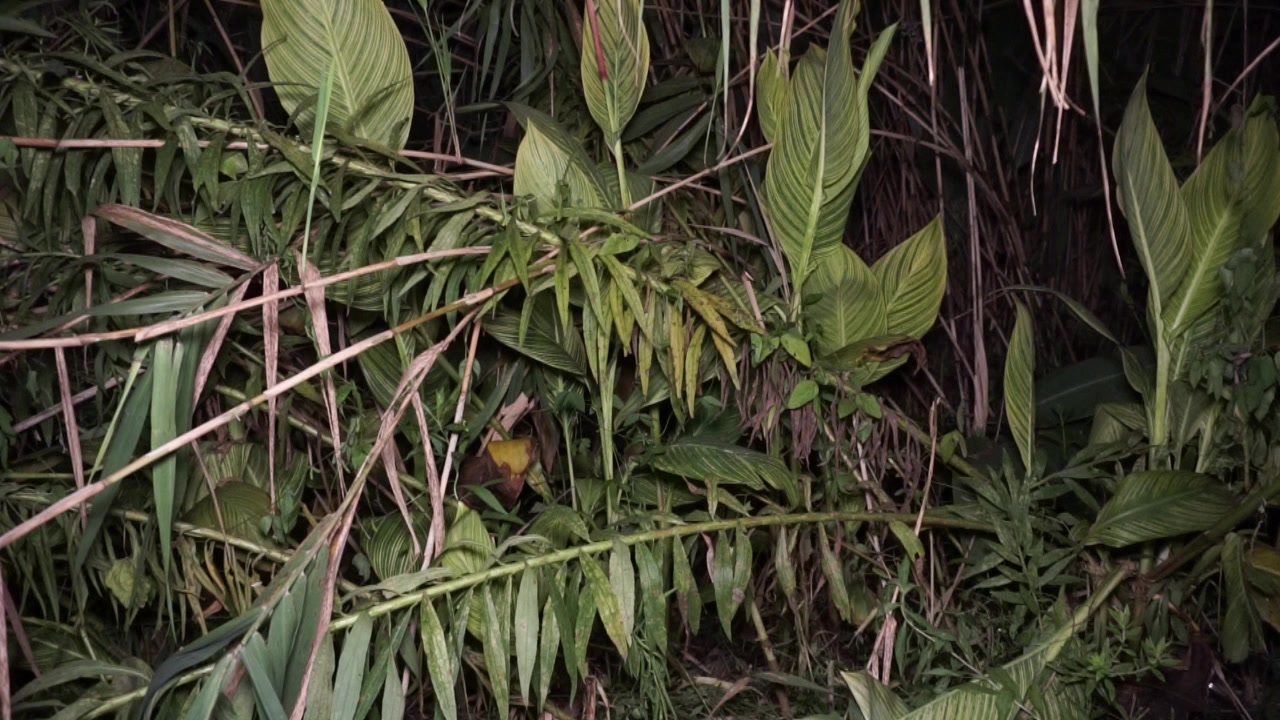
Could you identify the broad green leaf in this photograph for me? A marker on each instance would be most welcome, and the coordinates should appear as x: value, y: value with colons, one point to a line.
x: 1241, y: 628
x: 606, y: 604
x: 546, y: 340
x: 1159, y: 504
x: 810, y: 174
x: 1148, y: 195
x: 771, y: 94
x: 1260, y: 191
x: 548, y: 157
x: 913, y: 278
x: 351, y: 668
x: 614, y: 62
x: 1073, y: 392
x: 526, y: 629
x: 1019, y: 384
x: 874, y: 699
x: 802, y: 394
x: 726, y: 464
x: 850, y: 302
x: 439, y: 661
x: 373, y: 80
x: 1215, y: 211
x: 496, y: 652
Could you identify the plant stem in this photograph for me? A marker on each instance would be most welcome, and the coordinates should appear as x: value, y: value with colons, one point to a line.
x: 679, y: 531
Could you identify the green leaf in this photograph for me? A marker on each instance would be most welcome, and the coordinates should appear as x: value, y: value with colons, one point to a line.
x: 546, y: 158
x: 834, y: 572
x: 802, y: 394
x: 265, y: 693
x: 1241, y: 626
x: 440, y: 664
x: 549, y: 645
x: 496, y: 652
x: 910, y: 541
x: 850, y: 302
x: 688, y: 599
x: 913, y: 278
x: 771, y: 94
x: 1073, y: 392
x: 373, y: 80
x: 784, y: 564
x: 351, y: 668
x: 526, y: 629
x: 726, y: 464
x: 622, y: 577
x: 164, y: 428
x: 653, y: 598
x: 615, y: 63
x: 546, y: 340
x: 819, y: 149
x: 1148, y: 195
x: 874, y: 699
x: 1019, y: 383
x: 1260, y: 181
x: 722, y: 583
x: 1215, y: 211
x: 1159, y: 504
x: 606, y: 604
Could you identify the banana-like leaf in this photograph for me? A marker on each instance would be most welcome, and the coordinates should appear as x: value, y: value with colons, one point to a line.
x: 873, y: 698
x: 850, y: 302
x: 1260, y: 191
x: 1215, y: 210
x: 1019, y: 384
x: 614, y: 62
x: 771, y: 93
x: 373, y: 80
x: 913, y: 278
x: 1159, y: 504
x: 726, y: 465
x: 810, y: 174
x: 1148, y: 195
x: 548, y: 157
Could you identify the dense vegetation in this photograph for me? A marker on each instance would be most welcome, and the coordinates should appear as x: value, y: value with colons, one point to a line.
x: 753, y: 359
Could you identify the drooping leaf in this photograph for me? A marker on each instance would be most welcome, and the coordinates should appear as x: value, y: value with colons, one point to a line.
x: 614, y: 62
x: 873, y: 698
x: 1158, y: 504
x: 496, y: 652
x: 1073, y: 392
x: 546, y: 340
x: 373, y: 80
x: 913, y: 278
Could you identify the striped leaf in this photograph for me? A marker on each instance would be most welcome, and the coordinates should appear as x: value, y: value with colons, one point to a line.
x: 547, y: 158
x: 1159, y: 504
x: 816, y: 156
x: 913, y: 278
x: 1241, y: 626
x: 526, y: 629
x: 548, y: 647
x: 1260, y: 189
x: 771, y: 94
x: 496, y: 651
x: 850, y: 303
x: 614, y: 62
x: 726, y: 464
x: 372, y: 78
x: 1215, y: 211
x: 1148, y: 195
x: 1019, y: 384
